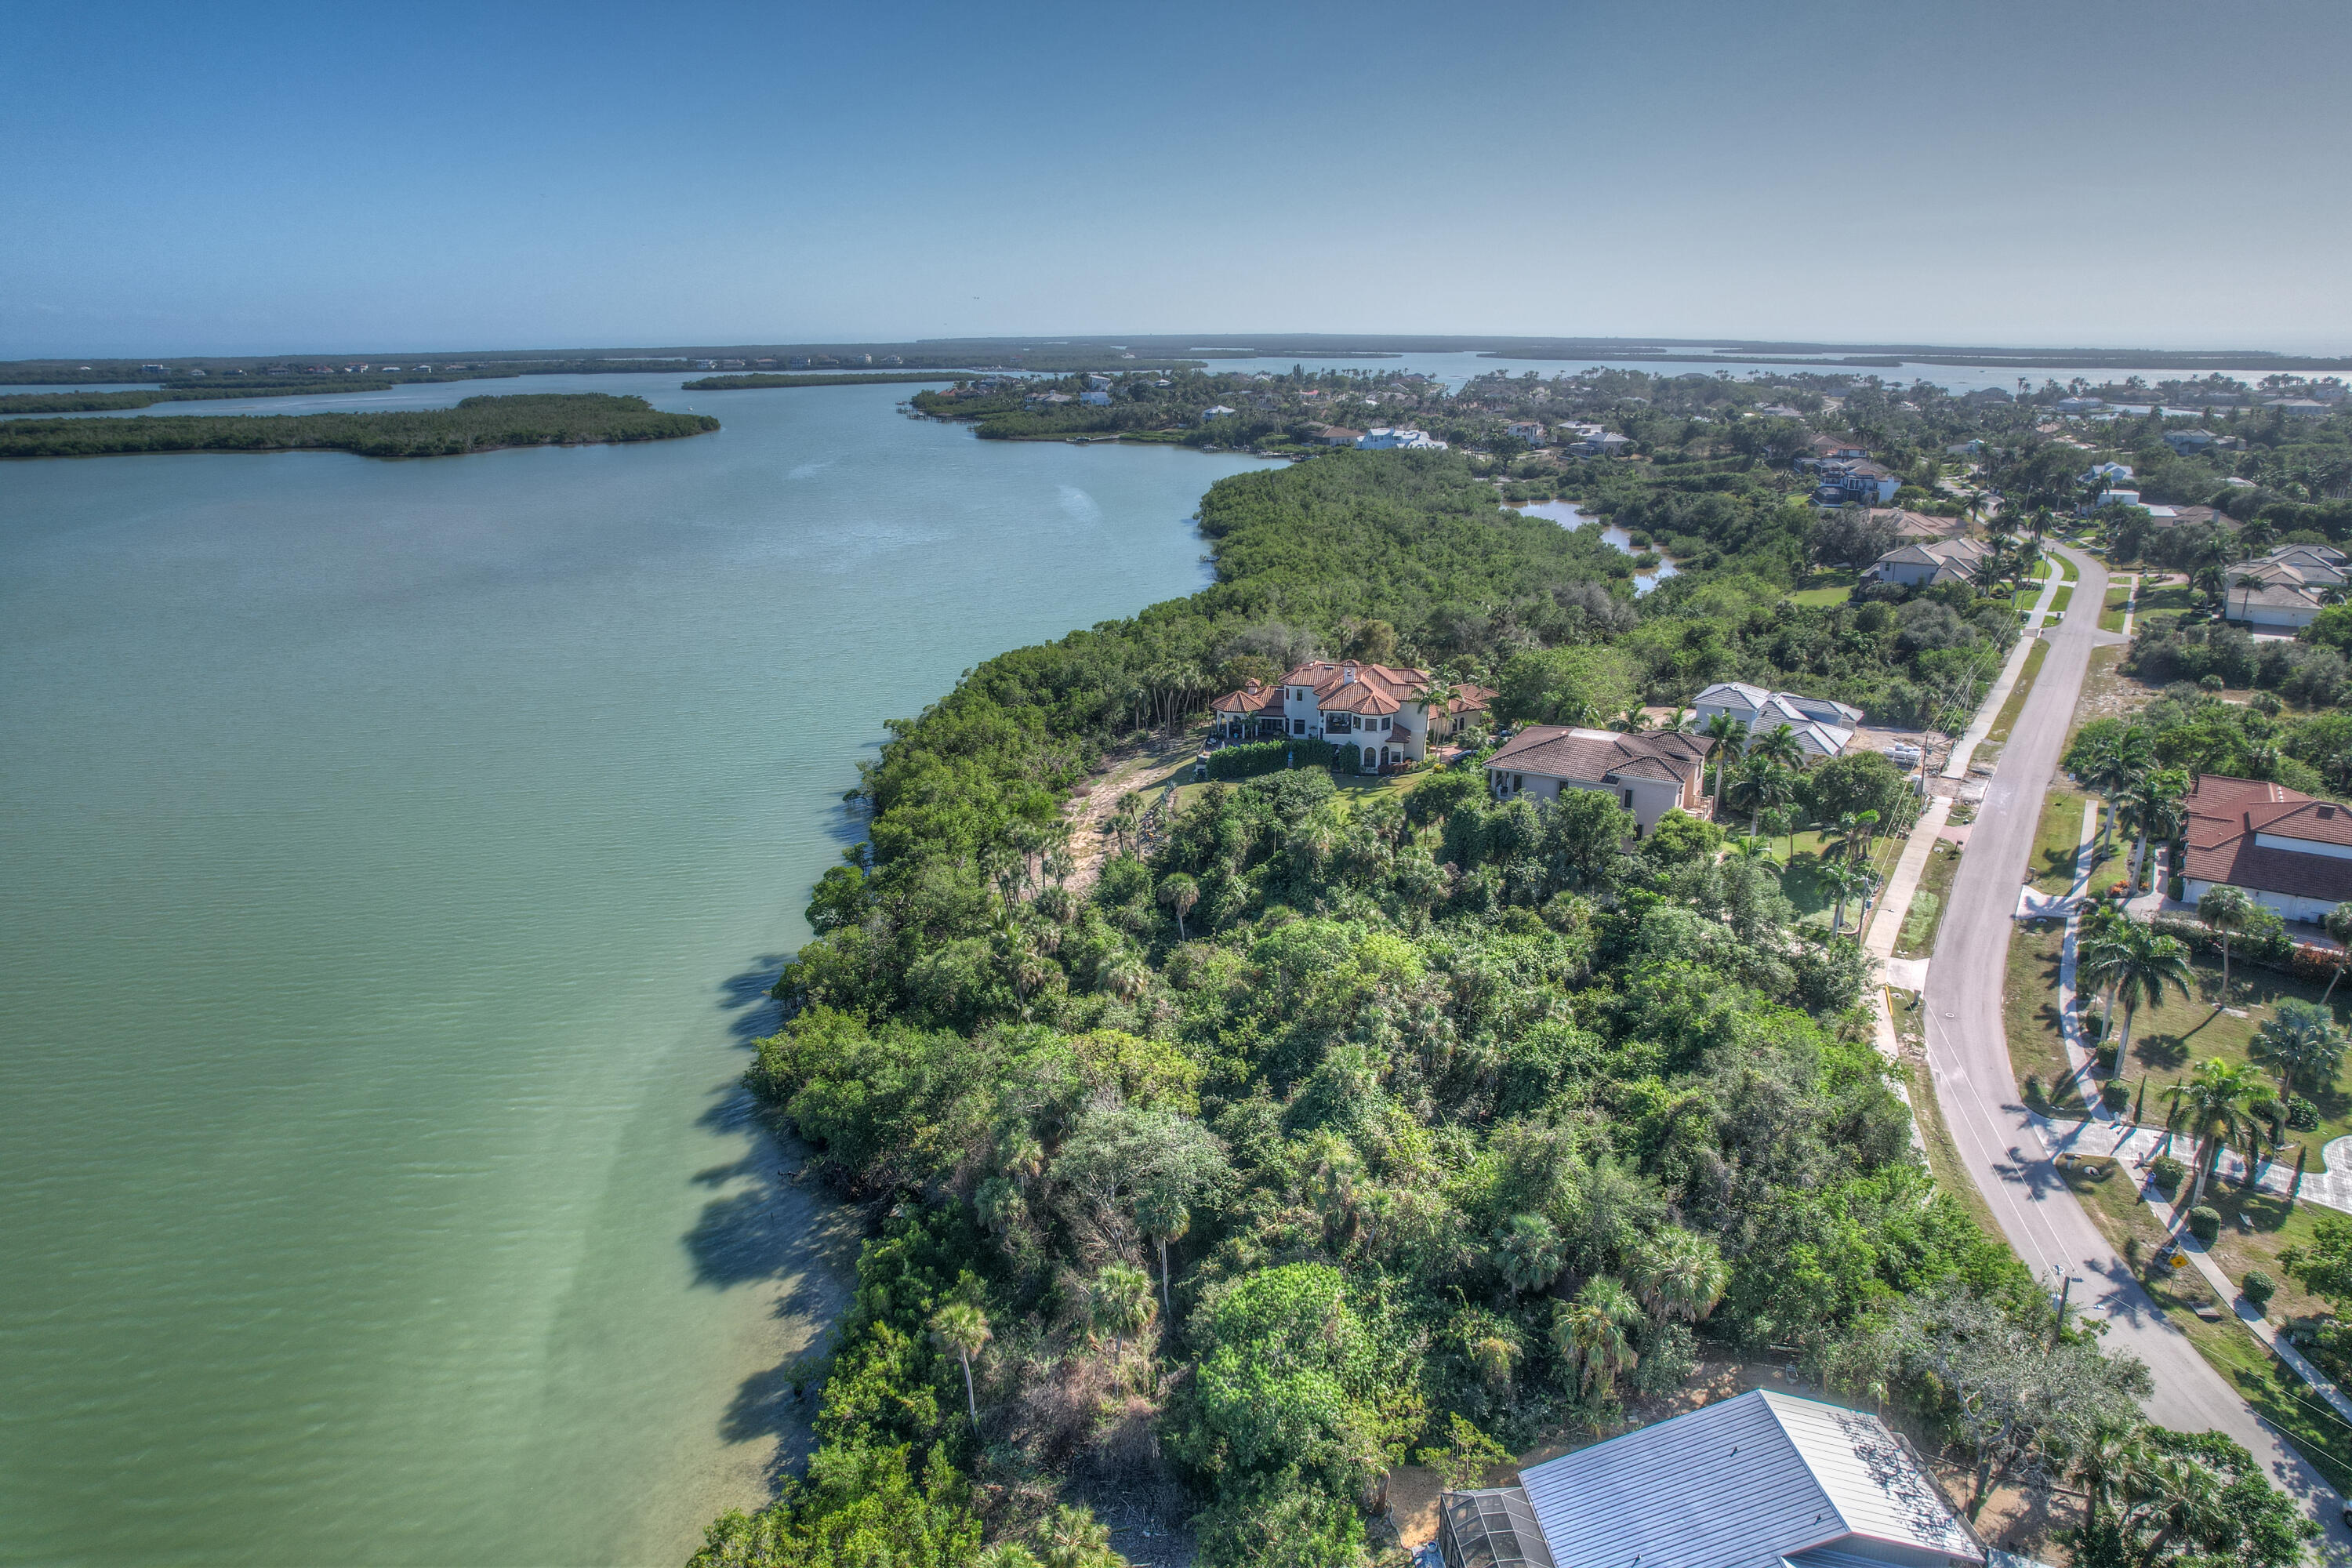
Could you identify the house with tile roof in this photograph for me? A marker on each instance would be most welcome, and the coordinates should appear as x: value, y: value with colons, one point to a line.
x: 1761, y: 1481
x: 2290, y: 852
x: 1651, y: 772
x: 2285, y: 589
x: 1823, y: 727
x: 1929, y: 562
x: 1384, y: 709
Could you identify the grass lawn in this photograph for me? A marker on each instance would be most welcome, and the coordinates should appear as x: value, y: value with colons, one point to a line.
x: 2107, y: 1191
x: 2061, y: 599
x: 1823, y: 589
x: 2018, y: 693
x: 1800, y: 874
x: 1925, y: 916
x: 2167, y: 604
x: 2030, y: 1014
x: 2111, y: 618
x: 2066, y: 572
x: 2167, y: 1041
x: 2053, y: 850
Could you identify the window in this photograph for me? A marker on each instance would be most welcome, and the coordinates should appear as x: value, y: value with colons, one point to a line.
x: 1629, y: 800
x: 1298, y: 726
x: 1386, y: 723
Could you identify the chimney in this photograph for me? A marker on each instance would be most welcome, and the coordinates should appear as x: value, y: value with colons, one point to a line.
x: 1348, y: 673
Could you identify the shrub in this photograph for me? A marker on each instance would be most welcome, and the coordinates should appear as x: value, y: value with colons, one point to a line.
x: 2033, y: 1089
x: 2259, y: 1288
x: 2167, y: 1173
x: 2300, y: 1114
x: 2115, y: 1096
x: 2205, y: 1223
x: 1255, y: 757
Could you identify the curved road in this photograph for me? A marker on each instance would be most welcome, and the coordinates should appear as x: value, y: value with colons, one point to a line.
x: 1967, y: 1057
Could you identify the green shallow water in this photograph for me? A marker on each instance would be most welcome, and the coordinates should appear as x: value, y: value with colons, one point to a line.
x: 393, y: 859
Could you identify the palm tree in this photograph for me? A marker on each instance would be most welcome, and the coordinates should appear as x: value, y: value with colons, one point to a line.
x: 1764, y: 785
x: 1778, y: 744
x: 1180, y: 893
x: 2213, y: 1107
x: 2138, y: 965
x: 2152, y: 808
x: 1436, y: 704
x: 1677, y: 1274
x: 1126, y: 821
x: 1529, y: 1256
x: 1845, y: 880
x: 1851, y: 835
x: 2095, y: 934
x: 1073, y: 1538
x: 962, y: 1328
x: 2227, y: 909
x: 1678, y: 723
x: 1729, y: 735
x: 2116, y: 760
x: 1121, y: 1299
x: 2338, y: 922
x: 1632, y: 721
x: 2300, y: 1044
x: 1589, y: 1334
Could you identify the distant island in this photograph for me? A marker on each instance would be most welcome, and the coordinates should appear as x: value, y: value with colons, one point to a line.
x: 475, y: 425
x: 850, y: 378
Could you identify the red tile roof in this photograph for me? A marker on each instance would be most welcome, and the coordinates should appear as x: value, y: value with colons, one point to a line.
x: 1348, y: 686
x: 2224, y: 817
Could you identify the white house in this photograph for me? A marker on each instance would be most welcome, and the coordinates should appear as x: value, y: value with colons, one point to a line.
x: 1382, y: 708
x: 1855, y: 481
x: 1761, y: 1481
x: 1384, y: 439
x: 2108, y: 471
x: 2116, y: 498
x: 2291, y: 853
x: 1823, y: 727
x: 1929, y: 562
x: 1095, y: 396
x: 2080, y: 404
x: 2286, y: 589
x: 1650, y: 772
x: 2188, y: 440
x: 1216, y: 411
x: 1529, y: 430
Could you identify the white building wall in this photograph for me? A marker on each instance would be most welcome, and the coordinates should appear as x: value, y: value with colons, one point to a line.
x: 2286, y: 905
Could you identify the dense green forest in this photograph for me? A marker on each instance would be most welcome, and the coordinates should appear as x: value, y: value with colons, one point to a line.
x: 475, y: 425
x: 206, y: 391
x: 1332, y: 1130
x: 813, y: 378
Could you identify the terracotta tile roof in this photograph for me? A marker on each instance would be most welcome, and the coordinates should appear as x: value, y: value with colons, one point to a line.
x: 2226, y: 814
x: 1347, y: 687
x: 1598, y: 756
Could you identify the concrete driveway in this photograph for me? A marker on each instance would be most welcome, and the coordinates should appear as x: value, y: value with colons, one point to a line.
x: 1967, y: 1057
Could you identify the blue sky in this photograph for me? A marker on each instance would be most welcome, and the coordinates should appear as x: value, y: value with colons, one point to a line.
x: 257, y: 178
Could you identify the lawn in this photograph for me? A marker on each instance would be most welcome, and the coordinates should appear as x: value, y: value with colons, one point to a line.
x: 2168, y: 603
x: 1823, y: 589
x: 2108, y: 1193
x: 2052, y: 865
x: 2066, y: 572
x: 2018, y: 693
x: 1926, y: 915
x: 2111, y: 618
x: 2167, y: 1041
x: 1799, y: 878
x: 2061, y: 599
x: 2030, y: 1014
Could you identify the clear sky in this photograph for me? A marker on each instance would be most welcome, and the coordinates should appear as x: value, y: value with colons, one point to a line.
x: 233, y: 177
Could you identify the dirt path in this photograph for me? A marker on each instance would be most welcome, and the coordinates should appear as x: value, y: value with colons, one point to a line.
x: 1143, y: 766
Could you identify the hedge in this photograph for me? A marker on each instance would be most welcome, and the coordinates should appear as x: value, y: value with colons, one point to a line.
x: 2281, y: 952
x: 1257, y: 757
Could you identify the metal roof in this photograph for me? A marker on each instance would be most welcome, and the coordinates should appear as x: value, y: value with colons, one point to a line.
x: 1744, y: 1483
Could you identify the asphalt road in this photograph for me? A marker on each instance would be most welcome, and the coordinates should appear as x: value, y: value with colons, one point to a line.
x: 1967, y: 1054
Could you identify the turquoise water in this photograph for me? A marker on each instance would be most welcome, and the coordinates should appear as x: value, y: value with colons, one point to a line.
x: 393, y: 857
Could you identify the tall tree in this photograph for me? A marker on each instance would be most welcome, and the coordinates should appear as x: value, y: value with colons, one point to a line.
x: 2139, y: 964
x: 2226, y: 909
x: 1590, y: 1333
x: 2300, y: 1044
x: 962, y: 1328
x: 2212, y: 1108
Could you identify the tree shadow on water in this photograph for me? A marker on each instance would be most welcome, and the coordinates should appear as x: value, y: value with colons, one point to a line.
x: 768, y: 1224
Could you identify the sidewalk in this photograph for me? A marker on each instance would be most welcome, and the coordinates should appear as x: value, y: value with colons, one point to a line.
x: 1965, y: 750
x: 1895, y: 904
x: 2136, y: 1147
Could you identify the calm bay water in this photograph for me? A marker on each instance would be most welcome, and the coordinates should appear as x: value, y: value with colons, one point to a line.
x: 393, y: 857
